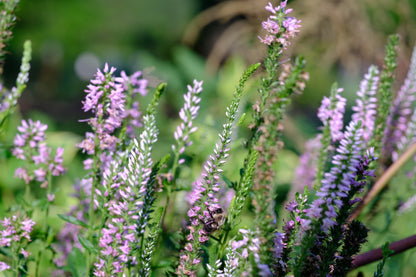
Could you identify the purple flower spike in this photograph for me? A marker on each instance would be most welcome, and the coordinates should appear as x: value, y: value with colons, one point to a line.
x: 14, y: 234
x: 30, y: 146
x: 331, y: 113
x: 187, y: 114
x: 365, y: 109
x: 106, y: 99
x: 279, y: 27
x: 337, y: 183
x: 401, y: 110
x: 306, y: 170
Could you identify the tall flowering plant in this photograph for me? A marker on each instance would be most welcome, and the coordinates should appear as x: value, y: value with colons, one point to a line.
x: 129, y: 194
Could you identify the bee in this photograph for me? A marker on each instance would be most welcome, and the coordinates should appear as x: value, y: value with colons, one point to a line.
x: 215, y: 221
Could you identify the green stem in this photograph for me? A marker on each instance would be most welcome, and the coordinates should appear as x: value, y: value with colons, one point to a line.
x: 169, y: 191
x: 38, y: 263
x: 91, y: 214
x: 171, y: 187
x: 15, y: 263
x: 45, y: 229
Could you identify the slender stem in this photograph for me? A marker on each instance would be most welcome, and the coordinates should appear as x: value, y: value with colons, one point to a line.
x: 383, y: 181
x: 223, y: 243
x: 169, y: 191
x: 172, y: 185
x: 38, y: 263
x: 45, y: 224
x: 376, y: 254
x: 16, y: 262
x: 91, y: 208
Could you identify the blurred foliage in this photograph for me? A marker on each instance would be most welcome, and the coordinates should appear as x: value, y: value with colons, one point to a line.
x: 338, y: 38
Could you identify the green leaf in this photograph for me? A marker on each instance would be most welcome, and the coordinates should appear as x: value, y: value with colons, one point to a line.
x: 386, y: 254
x: 6, y: 251
x: 73, y: 220
x: 156, y: 98
x: 77, y: 263
x: 228, y: 182
x: 241, y: 120
x: 87, y: 244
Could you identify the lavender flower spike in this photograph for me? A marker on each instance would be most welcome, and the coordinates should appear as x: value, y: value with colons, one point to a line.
x: 10, y: 100
x: 365, y: 109
x: 280, y: 27
x: 331, y: 113
x: 14, y: 235
x: 401, y: 110
x: 130, y: 206
x: 306, y: 170
x: 187, y: 114
x: 337, y: 183
x: 105, y: 98
x: 408, y: 138
x: 30, y: 146
x: 204, y: 192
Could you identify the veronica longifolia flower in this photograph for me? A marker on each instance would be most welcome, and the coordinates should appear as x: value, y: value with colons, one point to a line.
x: 365, y: 109
x: 187, y: 114
x: 337, y: 183
x: 249, y: 246
x: 106, y: 100
x: 14, y: 234
x: 331, y: 113
x: 280, y: 27
x: 306, y: 170
x: 400, y: 111
x: 30, y: 146
x: 132, y: 85
x: 130, y: 196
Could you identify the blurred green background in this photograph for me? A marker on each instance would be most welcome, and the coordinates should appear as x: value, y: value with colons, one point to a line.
x: 179, y: 40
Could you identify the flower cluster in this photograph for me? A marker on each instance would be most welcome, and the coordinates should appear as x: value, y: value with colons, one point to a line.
x: 337, y: 183
x: 239, y: 255
x: 408, y: 138
x: 231, y: 265
x: 14, y: 234
x: 203, y: 201
x: 105, y: 98
x: 30, y: 146
x: 280, y: 27
x: 109, y: 187
x: 331, y: 113
x: 306, y: 170
x: 400, y: 112
x: 112, y: 101
x: 365, y: 109
x: 318, y: 236
x: 129, y: 200
x: 136, y: 82
x: 250, y: 246
x: 187, y: 114
x: 137, y: 85
x: 202, y: 197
